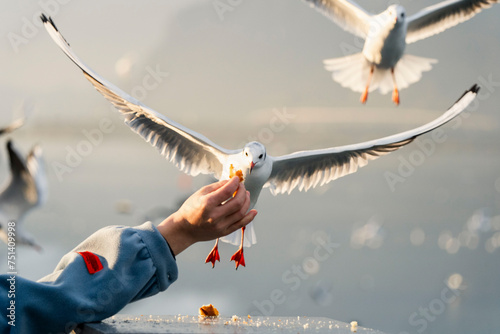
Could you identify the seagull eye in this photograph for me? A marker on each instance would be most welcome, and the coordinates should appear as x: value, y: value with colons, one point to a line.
x: 246, y: 153
x: 402, y: 14
x: 260, y: 156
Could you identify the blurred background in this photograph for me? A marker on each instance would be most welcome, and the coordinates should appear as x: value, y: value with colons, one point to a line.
x: 408, y: 244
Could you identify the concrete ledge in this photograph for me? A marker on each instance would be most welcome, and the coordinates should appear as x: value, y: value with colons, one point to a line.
x: 183, y: 324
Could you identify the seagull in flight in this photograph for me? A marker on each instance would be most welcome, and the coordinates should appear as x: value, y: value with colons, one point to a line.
x: 24, y: 190
x: 193, y: 153
x: 382, y: 63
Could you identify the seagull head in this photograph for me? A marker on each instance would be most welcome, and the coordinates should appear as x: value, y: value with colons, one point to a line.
x: 254, y: 153
x: 396, y: 14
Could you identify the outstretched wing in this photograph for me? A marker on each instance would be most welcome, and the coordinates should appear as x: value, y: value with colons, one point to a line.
x: 12, y: 126
x: 437, y: 18
x: 307, y: 169
x: 191, y: 152
x: 347, y: 14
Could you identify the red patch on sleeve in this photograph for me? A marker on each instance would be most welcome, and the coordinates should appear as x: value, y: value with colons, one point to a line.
x: 92, y: 261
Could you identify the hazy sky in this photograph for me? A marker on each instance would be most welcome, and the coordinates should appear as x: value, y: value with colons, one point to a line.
x: 259, y: 55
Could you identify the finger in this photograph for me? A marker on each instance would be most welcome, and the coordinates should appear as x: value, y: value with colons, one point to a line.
x: 232, y: 213
x: 213, y: 187
x: 239, y: 203
x: 242, y: 222
x: 224, y: 192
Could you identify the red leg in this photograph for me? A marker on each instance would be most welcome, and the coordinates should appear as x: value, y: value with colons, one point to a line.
x: 395, y: 92
x: 214, y: 254
x: 238, y: 257
x: 364, y: 96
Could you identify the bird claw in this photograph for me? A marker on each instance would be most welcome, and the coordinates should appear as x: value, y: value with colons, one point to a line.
x: 213, y: 256
x: 395, y: 96
x: 238, y: 258
x: 364, y: 96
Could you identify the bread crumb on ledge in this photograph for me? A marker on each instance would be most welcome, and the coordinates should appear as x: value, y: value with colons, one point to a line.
x: 209, y: 311
x: 354, y: 326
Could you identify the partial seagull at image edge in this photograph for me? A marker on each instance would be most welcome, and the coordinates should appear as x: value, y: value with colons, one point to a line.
x: 25, y: 189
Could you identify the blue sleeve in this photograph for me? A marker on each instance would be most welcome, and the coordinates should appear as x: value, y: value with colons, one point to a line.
x: 136, y: 263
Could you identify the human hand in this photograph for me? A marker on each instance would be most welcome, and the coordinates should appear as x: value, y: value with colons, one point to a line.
x: 209, y: 213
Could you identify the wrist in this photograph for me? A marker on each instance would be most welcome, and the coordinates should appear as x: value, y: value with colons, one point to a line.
x: 173, y: 230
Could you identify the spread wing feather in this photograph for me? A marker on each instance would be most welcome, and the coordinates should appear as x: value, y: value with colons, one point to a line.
x: 190, y: 151
x: 307, y: 169
x: 437, y: 18
x: 347, y: 14
x: 12, y: 126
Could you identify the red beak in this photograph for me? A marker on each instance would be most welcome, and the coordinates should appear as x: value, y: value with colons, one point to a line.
x: 252, y: 165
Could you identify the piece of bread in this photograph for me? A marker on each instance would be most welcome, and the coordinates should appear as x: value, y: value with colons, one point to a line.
x: 209, y: 311
x: 237, y: 173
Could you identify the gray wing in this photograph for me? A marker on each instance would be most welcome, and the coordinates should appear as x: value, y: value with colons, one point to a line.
x: 307, y: 169
x: 12, y: 126
x: 347, y: 14
x: 27, y: 186
x: 191, y: 152
x: 437, y: 18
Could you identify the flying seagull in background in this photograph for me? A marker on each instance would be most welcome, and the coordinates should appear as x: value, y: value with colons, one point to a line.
x: 193, y: 153
x: 382, y: 63
x: 24, y: 190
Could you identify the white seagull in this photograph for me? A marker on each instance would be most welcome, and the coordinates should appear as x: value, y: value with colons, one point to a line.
x: 193, y: 153
x: 24, y: 190
x: 382, y: 63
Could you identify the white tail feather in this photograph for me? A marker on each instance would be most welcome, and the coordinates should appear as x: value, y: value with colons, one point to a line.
x: 235, y: 237
x: 352, y: 72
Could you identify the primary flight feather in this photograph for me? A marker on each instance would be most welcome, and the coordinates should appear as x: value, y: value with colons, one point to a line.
x: 193, y: 153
